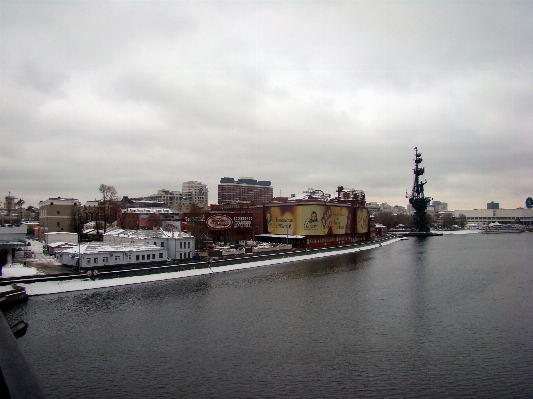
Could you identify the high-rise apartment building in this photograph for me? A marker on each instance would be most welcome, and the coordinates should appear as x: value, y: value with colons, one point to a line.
x: 195, y: 192
x: 192, y: 192
x: 171, y: 199
x: 244, y: 189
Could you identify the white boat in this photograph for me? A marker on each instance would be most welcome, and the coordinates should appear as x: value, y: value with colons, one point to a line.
x: 498, y: 228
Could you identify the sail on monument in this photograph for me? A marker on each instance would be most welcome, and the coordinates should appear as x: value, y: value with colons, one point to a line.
x: 418, y: 200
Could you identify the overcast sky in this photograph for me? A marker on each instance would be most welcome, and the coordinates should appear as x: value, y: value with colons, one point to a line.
x: 147, y: 95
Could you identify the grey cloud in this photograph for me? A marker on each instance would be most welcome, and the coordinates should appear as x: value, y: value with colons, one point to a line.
x: 147, y: 95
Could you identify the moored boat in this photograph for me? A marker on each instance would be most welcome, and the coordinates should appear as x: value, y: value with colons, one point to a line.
x: 498, y: 228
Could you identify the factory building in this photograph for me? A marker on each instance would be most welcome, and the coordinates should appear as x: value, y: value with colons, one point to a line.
x: 311, y: 220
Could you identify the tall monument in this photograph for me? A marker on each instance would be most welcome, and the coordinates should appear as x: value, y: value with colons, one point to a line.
x: 417, y: 199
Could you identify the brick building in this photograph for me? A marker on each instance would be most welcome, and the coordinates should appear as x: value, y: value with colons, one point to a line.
x: 145, y: 218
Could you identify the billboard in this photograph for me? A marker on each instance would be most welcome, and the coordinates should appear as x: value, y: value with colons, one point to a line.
x: 361, y: 222
x: 229, y: 221
x: 308, y: 219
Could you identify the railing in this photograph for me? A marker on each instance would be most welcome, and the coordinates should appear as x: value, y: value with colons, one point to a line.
x: 17, y: 378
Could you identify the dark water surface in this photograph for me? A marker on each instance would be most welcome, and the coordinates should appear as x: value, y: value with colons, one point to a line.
x: 444, y: 317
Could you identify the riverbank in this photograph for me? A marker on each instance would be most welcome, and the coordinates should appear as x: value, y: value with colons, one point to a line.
x: 51, y: 284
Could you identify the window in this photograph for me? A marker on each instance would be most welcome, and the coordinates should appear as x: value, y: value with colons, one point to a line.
x: 105, y: 259
x: 137, y: 257
x: 88, y: 261
x: 155, y: 243
x: 181, y: 245
x: 162, y: 245
x: 153, y: 256
x: 57, y: 224
x: 58, y: 212
x: 143, y: 257
x: 189, y: 245
x: 117, y: 258
x: 95, y: 261
x: 160, y: 255
x: 181, y: 255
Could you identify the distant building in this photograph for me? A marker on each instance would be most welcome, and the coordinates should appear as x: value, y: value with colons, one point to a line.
x: 439, y: 206
x: 147, y: 204
x: 493, y: 205
x: 100, y: 211
x: 145, y: 218
x: 192, y: 192
x: 482, y: 217
x: 58, y: 214
x: 170, y: 199
x: 375, y: 208
x: 244, y: 189
x: 90, y: 211
x: 195, y: 192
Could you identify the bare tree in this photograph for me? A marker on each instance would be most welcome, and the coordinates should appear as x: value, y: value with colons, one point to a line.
x: 196, y: 226
x: 461, y: 221
x: 76, y: 222
x: 109, y: 194
x: 154, y: 220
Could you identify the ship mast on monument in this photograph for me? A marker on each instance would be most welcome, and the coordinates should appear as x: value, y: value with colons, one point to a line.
x: 418, y: 200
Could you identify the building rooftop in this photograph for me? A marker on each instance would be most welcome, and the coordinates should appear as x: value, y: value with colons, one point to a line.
x: 143, y: 234
x: 101, y: 247
x: 149, y: 210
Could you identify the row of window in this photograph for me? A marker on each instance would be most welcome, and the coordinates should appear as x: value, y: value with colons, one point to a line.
x: 105, y: 259
x: 182, y: 244
x: 148, y: 256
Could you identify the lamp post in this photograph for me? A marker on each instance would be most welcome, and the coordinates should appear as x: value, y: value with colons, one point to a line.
x: 80, y: 227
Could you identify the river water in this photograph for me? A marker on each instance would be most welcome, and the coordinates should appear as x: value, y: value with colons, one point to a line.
x: 446, y: 317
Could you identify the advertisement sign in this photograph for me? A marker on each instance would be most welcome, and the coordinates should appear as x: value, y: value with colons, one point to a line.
x: 308, y: 219
x: 361, y: 224
x: 218, y: 222
x: 225, y: 222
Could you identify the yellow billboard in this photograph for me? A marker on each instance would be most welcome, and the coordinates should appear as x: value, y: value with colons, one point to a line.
x: 308, y: 219
x: 361, y: 223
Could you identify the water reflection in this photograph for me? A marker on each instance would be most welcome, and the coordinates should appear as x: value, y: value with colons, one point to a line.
x: 405, y: 320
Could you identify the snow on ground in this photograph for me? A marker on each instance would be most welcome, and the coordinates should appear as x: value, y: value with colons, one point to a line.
x: 54, y: 287
x: 19, y: 270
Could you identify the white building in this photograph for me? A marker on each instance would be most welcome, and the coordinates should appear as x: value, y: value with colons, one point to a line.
x: 178, y: 245
x: 60, y: 236
x: 195, y: 192
x: 171, y: 199
x: 13, y: 232
x: 504, y: 216
x: 97, y: 254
